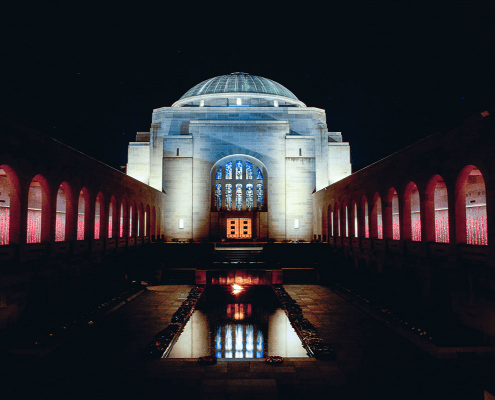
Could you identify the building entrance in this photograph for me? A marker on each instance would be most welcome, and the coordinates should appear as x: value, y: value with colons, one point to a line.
x: 239, y: 228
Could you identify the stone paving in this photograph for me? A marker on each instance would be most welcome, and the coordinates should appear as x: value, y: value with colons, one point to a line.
x: 108, y: 360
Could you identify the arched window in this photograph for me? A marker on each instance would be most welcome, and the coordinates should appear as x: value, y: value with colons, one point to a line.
x: 330, y: 220
x: 356, y: 222
x: 441, y: 207
x: 376, y: 226
x: 98, y: 215
x: 153, y: 221
x: 246, y: 193
x: 122, y: 217
x: 366, y: 221
x: 140, y: 221
x: 131, y: 217
x: 345, y: 211
x: 393, y: 214
x: 5, y: 189
x: 147, y: 230
x: 471, y: 218
x: 337, y: 219
x: 61, y: 213
x: 111, y: 210
x: 81, y: 210
x: 412, y: 213
x: 38, y: 210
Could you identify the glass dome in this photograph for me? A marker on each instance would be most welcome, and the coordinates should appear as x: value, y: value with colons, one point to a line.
x: 239, y: 82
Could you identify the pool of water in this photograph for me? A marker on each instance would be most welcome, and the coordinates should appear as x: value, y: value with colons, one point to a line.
x: 248, y: 325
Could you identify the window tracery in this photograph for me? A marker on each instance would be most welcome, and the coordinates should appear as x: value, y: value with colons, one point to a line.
x: 249, y: 194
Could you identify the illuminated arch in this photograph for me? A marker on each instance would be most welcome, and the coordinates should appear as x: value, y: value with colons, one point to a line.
x: 365, y: 220
x: 337, y: 220
x: 10, y: 206
x: 376, y: 218
x: 470, y: 207
x: 83, y: 214
x: 39, y: 207
x: 132, y: 219
x: 147, y: 222
x: 354, y: 226
x: 99, y: 216
x: 330, y: 220
x: 112, y: 213
x: 123, y: 216
x: 411, y: 218
x: 437, y: 210
x: 153, y: 222
x: 64, y: 212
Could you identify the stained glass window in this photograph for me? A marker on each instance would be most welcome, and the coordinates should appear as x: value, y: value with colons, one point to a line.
x: 259, y: 195
x: 228, y: 170
x: 249, y: 196
x: 259, y: 175
x: 219, y: 173
x: 218, y: 196
x: 228, y: 196
x: 238, y: 197
x: 249, y: 170
x: 238, y: 170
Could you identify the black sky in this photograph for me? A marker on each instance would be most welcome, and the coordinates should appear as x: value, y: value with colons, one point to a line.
x: 387, y: 73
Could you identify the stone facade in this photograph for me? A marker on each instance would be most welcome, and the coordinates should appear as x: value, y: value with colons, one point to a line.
x: 189, y: 141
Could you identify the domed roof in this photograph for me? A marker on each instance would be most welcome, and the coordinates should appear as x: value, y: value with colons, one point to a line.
x: 239, y: 82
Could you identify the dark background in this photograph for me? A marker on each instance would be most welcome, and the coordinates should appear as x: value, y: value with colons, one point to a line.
x: 387, y: 73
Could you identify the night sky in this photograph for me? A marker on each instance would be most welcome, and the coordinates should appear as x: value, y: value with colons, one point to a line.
x: 90, y: 73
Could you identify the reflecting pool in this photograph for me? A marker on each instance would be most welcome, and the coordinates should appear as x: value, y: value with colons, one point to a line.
x: 248, y: 324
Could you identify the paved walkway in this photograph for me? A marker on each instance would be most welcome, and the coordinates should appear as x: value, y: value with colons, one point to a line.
x: 108, y: 361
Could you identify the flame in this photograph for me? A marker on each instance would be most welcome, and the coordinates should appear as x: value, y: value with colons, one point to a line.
x: 236, y: 289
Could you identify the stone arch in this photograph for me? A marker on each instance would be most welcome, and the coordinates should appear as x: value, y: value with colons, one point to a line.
x: 376, y: 218
x: 147, y: 222
x: 132, y: 218
x: 365, y: 218
x: 411, y: 218
x: 10, y: 208
x: 113, y: 227
x: 140, y: 221
x: 123, y: 218
x: 470, y: 207
x: 99, y: 217
x: 65, y: 213
x: 83, y: 215
x: 437, y: 219
x: 330, y: 221
x: 153, y: 223
x: 337, y: 220
x: 391, y: 223
x: 345, y: 219
x: 354, y: 220
x: 39, y: 210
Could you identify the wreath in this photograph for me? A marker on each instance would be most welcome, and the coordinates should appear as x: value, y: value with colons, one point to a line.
x: 274, y: 359
x: 207, y: 360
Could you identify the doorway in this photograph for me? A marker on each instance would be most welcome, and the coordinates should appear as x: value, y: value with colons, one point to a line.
x: 239, y: 228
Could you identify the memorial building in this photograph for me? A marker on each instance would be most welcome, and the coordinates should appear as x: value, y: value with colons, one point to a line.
x: 238, y: 157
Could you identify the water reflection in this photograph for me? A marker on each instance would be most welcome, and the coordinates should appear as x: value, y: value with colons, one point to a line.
x: 245, y: 326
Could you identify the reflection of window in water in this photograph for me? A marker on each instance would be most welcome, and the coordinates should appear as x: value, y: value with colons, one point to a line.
x: 239, y: 341
x: 225, y: 326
